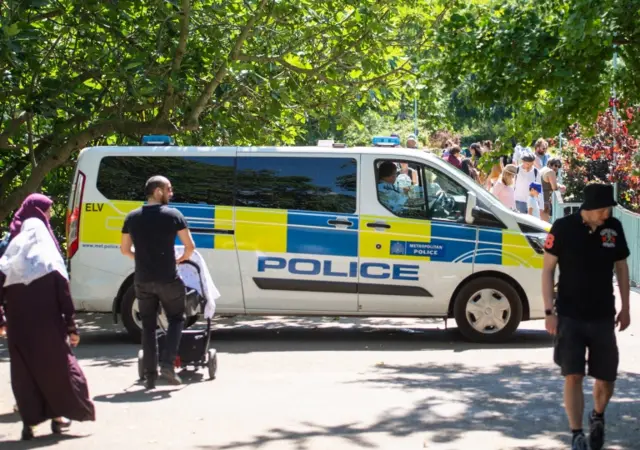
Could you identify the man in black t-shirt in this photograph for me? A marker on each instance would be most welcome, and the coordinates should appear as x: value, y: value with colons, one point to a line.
x: 587, y: 247
x: 152, y: 230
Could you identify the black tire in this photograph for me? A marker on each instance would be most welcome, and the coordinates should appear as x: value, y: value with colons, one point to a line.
x: 467, y: 294
x: 128, y: 321
x: 135, y: 333
x: 212, y: 363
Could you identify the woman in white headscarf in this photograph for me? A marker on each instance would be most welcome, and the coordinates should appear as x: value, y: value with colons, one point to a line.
x: 46, y: 379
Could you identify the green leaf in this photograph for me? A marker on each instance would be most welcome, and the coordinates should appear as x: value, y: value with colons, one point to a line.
x: 12, y: 29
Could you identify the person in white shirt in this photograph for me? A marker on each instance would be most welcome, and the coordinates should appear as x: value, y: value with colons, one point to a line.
x: 526, y: 175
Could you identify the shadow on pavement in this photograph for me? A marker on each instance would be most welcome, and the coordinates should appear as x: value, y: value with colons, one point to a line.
x: 107, y: 345
x: 11, y: 417
x: 138, y: 396
x: 46, y: 440
x: 519, y: 401
x: 358, y: 338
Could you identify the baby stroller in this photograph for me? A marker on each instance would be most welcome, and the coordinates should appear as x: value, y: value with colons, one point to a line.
x: 194, y: 345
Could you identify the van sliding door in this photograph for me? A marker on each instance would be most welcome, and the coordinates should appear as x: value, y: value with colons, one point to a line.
x: 297, y: 231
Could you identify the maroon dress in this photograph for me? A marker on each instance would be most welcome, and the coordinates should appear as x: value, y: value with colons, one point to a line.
x: 46, y: 379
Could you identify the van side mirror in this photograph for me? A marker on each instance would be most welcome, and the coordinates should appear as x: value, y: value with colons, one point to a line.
x: 472, y: 201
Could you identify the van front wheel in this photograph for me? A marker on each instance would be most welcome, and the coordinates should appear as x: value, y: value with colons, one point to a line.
x: 487, y: 310
x: 130, y: 313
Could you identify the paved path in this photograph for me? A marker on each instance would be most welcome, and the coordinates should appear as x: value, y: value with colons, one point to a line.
x: 304, y: 383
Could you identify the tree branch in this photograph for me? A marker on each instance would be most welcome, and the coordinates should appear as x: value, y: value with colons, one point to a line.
x: 313, y: 72
x: 58, y: 155
x: 12, y: 127
x: 47, y: 15
x: 32, y: 154
x: 200, y: 104
x: 181, y: 49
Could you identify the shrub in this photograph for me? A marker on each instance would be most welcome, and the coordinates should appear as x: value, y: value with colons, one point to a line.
x: 608, y: 156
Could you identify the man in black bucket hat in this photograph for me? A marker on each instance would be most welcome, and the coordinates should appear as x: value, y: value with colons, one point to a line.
x: 587, y: 246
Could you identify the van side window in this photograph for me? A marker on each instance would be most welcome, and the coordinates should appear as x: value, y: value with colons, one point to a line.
x: 446, y: 199
x: 297, y: 183
x: 198, y: 179
x: 400, y: 188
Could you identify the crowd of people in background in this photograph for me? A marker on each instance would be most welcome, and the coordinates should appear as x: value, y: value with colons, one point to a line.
x: 524, y: 181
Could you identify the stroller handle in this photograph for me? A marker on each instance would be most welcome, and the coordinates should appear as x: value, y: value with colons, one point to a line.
x: 192, y: 264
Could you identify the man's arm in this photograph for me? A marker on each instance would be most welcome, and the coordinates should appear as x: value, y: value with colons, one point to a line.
x: 125, y: 245
x: 548, y: 278
x: 552, y: 252
x: 189, y: 246
x: 622, y: 275
x: 553, y: 181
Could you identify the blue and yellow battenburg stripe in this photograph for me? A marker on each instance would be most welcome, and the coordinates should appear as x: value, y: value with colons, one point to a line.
x: 102, y: 223
x: 281, y: 231
x: 203, y: 219
x: 421, y: 240
x: 302, y: 232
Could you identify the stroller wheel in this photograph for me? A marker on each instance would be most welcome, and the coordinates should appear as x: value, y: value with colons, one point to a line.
x: 212, y: 363
x: 140, y: 365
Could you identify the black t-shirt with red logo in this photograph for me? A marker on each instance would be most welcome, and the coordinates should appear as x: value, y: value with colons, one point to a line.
x: 586, y: 261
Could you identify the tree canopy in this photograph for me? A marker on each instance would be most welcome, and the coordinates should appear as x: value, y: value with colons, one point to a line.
x: 78, y: 72
x: 548, y: 61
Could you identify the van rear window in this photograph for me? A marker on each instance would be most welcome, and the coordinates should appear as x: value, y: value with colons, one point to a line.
x: 196, y: 179
x: 297, y: 183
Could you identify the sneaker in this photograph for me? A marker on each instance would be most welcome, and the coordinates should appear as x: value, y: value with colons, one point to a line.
x: 579, y: 442
x: 596, y: 432
x: 170, y: 375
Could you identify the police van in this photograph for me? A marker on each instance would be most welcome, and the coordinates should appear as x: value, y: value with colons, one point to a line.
x: 309, y: 231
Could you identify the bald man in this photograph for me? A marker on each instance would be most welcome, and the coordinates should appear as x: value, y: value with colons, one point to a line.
x: 152, y: 230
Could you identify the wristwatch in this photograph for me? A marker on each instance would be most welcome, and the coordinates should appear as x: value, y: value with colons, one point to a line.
x: 548, y: 312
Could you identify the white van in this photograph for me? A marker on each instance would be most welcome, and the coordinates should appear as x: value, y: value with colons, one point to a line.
x: 309, y: 231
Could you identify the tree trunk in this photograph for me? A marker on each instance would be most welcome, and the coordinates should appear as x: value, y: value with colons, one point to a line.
x: 57, y: 156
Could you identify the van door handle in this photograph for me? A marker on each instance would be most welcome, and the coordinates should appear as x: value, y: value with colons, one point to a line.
x: 378, y: 225
x: 340, y: 222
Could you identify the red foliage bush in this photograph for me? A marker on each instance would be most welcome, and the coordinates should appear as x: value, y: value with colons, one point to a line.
x: 609, y: 156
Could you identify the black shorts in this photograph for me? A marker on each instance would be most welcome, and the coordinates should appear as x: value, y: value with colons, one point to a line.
x: 575, y: 337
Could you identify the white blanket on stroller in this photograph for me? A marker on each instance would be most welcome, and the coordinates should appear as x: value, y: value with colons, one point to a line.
x: 191, y: 280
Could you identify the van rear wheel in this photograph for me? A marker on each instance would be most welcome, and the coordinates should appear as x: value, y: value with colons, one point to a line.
x: 130, y: 313
x: 487, y: 310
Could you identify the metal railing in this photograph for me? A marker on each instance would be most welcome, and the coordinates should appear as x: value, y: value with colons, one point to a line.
x: 559, y: 206
x: 630, y: 224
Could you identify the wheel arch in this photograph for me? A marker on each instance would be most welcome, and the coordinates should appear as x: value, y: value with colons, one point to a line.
x: 117, y: 301
x: 493, y: 274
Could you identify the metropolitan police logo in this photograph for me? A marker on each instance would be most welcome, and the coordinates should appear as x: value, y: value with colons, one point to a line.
x: 608, y: 237
x: 397, y: 248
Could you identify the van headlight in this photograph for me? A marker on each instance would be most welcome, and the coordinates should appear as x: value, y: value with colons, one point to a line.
x: 536, y: 240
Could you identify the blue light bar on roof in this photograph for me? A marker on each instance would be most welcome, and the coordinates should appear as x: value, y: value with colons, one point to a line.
x: 157, y: 140
x: 385, y: 141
